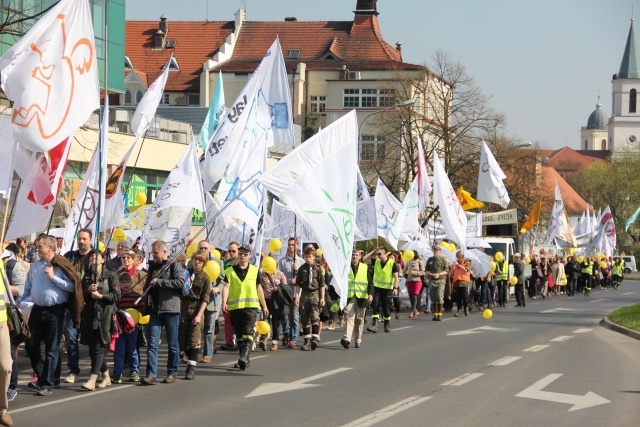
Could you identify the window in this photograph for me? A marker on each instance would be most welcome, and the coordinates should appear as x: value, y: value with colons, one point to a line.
x: 138, y: 96
x: 318, y: 104
x: 127, y: 63
x: 165, y: 99
x: 632, y: 100
x: 194, y: 99
x: 373, y: 149
x: 294, y: 54
x: 603, y: 144
x: 585, y: 145
x: 173, y: 65
x: 127, y: 98
x: 368, y: 98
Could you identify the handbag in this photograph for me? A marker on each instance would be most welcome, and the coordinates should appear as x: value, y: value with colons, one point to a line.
x: 18, y: 329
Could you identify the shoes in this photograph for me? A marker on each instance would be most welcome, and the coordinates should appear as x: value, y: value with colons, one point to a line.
x: 518, y: 305
x: 44, y: 392
x: 358, y: 345
x: 228, y: 347
x: 134, y: 377
x: 184, y: 360
x: 91, y: 383
x: 33, y: 385
x: 374, y: 326
x: 534, y: 298
x: 457, y: 314
x: 415, y: 314
x: 245, y: 351
x: 440, y: 318
x: 71, y: 378
x: 344, y: 343
x: 274, y: 346
x: 11, y: 394
x: 148, y: 380
x: 331, y: 326
x: 306, y: 346
x: 466, y: 311
x: 169, y: 380
x: 314, y: 343
x: 190, y: 373
x: 411, y: 315
x: 435, y: 318
x: 285, y: 340
x: 341, y: 323
x: 205, y: 360
x: 292, y: 344
x: 397, y: 316
x: 105, y: 381
x: 5, y: 420
x: 263, y: 344
x: 116, y: 379
x: 387, y: 326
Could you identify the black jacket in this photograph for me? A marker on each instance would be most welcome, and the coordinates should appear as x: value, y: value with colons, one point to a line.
x: 165, y: 295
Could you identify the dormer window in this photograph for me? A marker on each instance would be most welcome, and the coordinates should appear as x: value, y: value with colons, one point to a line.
x: 294, y: 54
x: 127, y: 63
x: 173, y: 65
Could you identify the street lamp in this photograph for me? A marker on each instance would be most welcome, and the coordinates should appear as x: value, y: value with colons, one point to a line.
x: 525, y: 145
x: 393, y: 107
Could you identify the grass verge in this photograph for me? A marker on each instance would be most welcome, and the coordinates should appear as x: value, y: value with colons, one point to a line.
x: 628, y: 317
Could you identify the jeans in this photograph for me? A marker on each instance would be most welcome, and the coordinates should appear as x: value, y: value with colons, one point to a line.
x: 520, y: 295
x: 209, y: 333
x: 13, y: 382
x: 73, y: 350
x: 126, y: 343
x: 572, y: 284
x: 482, y: 288
x: 46, y: 324
x: 171, y: 322
x: 293, y: 328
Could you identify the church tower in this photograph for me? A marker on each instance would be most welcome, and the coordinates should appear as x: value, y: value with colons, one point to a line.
x: 624, y: 124
x: 594, y: 135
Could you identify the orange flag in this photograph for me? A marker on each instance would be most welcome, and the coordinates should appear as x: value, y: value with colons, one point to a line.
x: 467, y: 201
x: 534, y: 217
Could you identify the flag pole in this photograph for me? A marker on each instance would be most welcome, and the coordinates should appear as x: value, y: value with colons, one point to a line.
x: 5, y: 226
x: 4, y: 219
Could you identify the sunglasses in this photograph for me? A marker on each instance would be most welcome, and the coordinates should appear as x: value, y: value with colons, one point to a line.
x: 243, y: 254
x: 202, y: 249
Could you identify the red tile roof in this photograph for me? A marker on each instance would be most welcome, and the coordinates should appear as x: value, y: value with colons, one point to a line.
x: 196, y: 41
x: 573, y: 202
x: 566, y: 157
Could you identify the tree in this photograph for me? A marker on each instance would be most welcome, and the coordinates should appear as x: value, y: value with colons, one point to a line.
x: 16, y: 19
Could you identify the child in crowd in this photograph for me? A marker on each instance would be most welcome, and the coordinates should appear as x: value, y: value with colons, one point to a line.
x: 311, y: 282
x: 127, y: 342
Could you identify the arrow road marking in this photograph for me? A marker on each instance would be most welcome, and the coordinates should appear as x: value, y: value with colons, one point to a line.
x: 562, y: 338
x: 556, y: 310
x: 578, y: 402
x: 629, y: 293
x: 389, y: 411
x: 582, y: 331
x: 479, y: 331
x: 505, y: 361
x: 463, y: 379
x: 270, y: 388
x: 536, y: 348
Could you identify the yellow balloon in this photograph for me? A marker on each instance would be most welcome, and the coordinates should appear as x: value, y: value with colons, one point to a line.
x: 135, y: 314
x: 499, y: 256
x: 527, y: 260
x: 141, y: 198
x: 487, y: 314
x: 319, y: 252
x: 263, y: 327
x: 213, y: 270
x: 444, y: 244
x: 145, y: 319
x: 119, y: 235
x: 493, y: 267
x: 269, y: 265
x: 192, y: 249
x: 216, y: 253
x: 580, y: 258
x: 564, y: 281
x: 408, y: 255
x: 275, y: 245
x: 101, y: 246
x: 513, y: 280
x: 603, y: 264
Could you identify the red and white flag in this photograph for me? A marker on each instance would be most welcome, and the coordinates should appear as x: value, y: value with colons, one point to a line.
x: 51, y: 75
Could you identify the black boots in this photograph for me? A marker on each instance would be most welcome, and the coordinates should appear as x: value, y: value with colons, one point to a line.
x: 387, y: 326
x: 374, y: 326
x: 245, y: 351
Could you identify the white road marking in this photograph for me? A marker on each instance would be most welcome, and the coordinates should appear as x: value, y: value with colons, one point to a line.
x: 582, y: 331
x: 561, y: 338
x: 399, y: 329
x: 579, y: 402
x: 234, y: 362
x: 330, y: 342
x: 387, y: 412
x: 555, y: 310
x: 463, y: 379
x: 505, y: 361
x: 600, y: 300
x: 629, y: 293
x: 270, y: 388
x: 448, y: 318
x: 536, y: 348
x: 68, y: 399
x: 479, y: 330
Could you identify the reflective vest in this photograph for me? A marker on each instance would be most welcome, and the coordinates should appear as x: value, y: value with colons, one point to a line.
x: 3, y: 286
x: 587, y: 268
x: 242, y: 294
x: 616, y: 269
x: 505, y: 271
x: 383, y: 277
x: 358, y: 284
x: 459, y: 275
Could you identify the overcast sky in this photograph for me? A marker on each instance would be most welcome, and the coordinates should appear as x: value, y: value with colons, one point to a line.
x: 543, y: 62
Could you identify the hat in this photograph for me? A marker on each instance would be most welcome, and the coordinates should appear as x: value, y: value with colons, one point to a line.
x: 244, y: 248
x: 6, y: 253
x: 517, y: 255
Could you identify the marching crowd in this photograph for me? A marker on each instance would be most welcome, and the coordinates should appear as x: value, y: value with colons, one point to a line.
x: 117, y: 302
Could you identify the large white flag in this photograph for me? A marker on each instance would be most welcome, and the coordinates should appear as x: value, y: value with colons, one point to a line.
x: 268, y: 88
x: 387, y: 207
x: 220, y: 234
x: 423, y: 184
x: 407, y: 218
x: 89, y: 204
x: 148, y: 105
x: 51, y: 75
x: 453, y: 217
x: 366, y: 220
x: 490, y: 177
x: 558, y: 224
x: 181, y: 193
x: 605, y: 239
x: 281, y: 213
x: 318, y: 181
x: 8, y: 146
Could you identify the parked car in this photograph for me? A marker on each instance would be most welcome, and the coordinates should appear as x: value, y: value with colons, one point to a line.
x: 629, y: 263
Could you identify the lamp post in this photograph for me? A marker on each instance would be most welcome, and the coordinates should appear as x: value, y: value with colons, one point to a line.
x: 525, y: 145
x: 393, y: 107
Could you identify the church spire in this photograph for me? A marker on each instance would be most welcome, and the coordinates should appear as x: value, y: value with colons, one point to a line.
x: 630, y: 66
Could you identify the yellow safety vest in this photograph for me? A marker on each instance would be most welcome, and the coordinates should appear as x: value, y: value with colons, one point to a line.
x: 242, y: 294
x: 587, y: 269
x: 505, y: 271
x: 383, y: 277
x: 358, y: 285
x: 616, y: 269
x: 3, y: 287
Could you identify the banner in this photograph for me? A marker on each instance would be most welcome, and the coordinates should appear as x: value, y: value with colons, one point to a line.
x: 214, y: 115
x: 509, y: 216
x: 366, y: 220
x: 387, y: 207
x: 407, y: 218
x: 453, y: 217
x: 490, y: 177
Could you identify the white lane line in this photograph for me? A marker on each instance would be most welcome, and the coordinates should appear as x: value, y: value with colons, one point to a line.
x: 447, y: 319
x: 505, y: 361
x: 233, y: 363
x: 561, y: 338
x: 629, y: 293
x: 555, y: 310
x: 582, y: 331
x: 463, y: 379
x: 68, y: 399
x: 399, y: 329
x: 536, y: 348
x: 329, y: 342
x: 599, y: 300
x: 389, y: 411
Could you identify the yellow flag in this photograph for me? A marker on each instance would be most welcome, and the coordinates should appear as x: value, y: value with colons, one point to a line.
x: 534, y: 217
x: 467, y: 201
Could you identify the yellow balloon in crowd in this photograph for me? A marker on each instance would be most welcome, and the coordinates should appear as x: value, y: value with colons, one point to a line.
x: 564, y: 281
x: 408, y: 255
x: 493, y: 267
x: 527, y: 260
x: 263, y: 327
x: 269, y: 265
x: 145, y: 319
x: 192, y: 249
x: 444, y: 245
x: 487, y: 314
x: 101, y: 246
x: 119, y: 235
x: 499, y: 256
x: 319, y: 252
x: 580, y: 258
x: 141, y: 198
x: 275, y: 245
x: 513, y: 280
x: 216, y: 253
x: 451, y: 247
x: 213, y: 270
x: 135, y: 314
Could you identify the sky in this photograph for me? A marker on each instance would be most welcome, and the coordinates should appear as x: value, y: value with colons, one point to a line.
x: 543, y: 63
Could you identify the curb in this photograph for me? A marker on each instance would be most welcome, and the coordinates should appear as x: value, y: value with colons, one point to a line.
x: 608, y: 324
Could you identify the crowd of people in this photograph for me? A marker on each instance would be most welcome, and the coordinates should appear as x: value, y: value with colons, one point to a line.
x: 101, y: 300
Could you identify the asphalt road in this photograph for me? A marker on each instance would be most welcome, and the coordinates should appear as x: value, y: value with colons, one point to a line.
x: 547, y: 364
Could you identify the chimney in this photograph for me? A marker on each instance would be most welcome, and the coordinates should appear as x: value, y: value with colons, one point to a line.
x: 366, y: 8
x: 399, y: 46
x: 164, y: 25
x: 344, y: 73
x: 290, y: 19
x: 159, y: 39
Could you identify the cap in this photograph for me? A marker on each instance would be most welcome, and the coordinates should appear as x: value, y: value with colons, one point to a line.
x: 244, y: 248
x: 6, y: 253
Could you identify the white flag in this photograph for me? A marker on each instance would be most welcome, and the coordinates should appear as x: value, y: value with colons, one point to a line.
x: 220, y: 234
x: 453, y: 218
x: 181, y: 193
x: 318, y: 181
x: 366, y: 220
x: 407, y: 218
x: 490, y: 177
x: 148, y: 105
x: 424, y: 186
x: 268, y: 87
x: 8, y: 148
x: 89, y: 204
x: 556, y: 223
x: 605, y: 239
x: 387, y: 207
x: 51, y: 75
